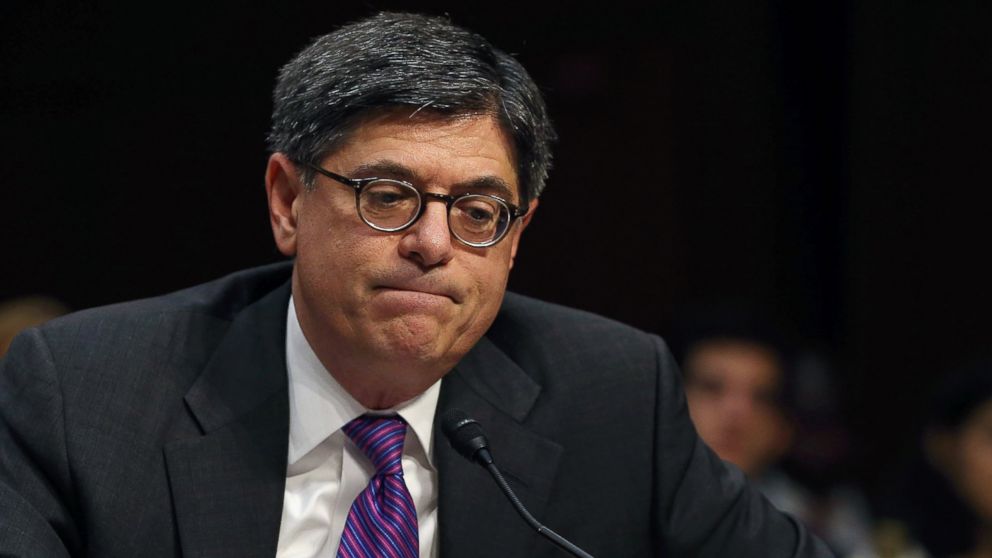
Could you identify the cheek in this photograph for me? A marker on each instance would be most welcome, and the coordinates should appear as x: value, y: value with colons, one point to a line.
x: 975, y: 474
x: 331, y: 235
x: 704, y: 414
x: 767, y: 422
x: 769, y: 434
x: 335, y: 262
x: 488, y: 280
x: 323, y: 260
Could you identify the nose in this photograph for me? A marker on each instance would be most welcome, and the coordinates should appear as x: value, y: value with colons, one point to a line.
x: 428, y: 241
x: 738, y: 406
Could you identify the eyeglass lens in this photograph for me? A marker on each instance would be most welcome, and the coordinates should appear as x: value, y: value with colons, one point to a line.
x: 390, y: 205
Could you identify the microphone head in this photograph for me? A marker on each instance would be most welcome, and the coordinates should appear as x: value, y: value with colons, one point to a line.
x: 466, y: 436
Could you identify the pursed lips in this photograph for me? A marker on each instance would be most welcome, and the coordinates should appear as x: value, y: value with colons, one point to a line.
x: 422, y: 289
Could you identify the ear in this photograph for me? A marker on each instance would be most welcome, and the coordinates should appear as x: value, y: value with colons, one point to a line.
x: 519, y: 230
x: 285, y: 193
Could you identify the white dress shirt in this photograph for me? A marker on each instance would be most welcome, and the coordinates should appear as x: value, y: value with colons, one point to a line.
x: 326, y: 471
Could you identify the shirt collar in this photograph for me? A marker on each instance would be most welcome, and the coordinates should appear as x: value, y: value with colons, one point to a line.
x: 319, y: 406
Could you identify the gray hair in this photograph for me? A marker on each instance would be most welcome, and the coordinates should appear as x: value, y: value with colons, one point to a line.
x: 397, y: 59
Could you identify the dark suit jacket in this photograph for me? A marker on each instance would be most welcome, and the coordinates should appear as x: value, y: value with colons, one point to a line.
x: 159, y: 428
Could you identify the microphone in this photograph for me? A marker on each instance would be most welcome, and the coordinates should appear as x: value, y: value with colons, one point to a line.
x: 466, y: 436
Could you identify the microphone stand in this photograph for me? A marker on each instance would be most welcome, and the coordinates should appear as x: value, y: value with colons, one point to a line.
x: 562, y: 542
x: 467, y: 438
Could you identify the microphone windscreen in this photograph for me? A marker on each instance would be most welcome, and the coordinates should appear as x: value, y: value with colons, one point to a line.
x: 464, y: 433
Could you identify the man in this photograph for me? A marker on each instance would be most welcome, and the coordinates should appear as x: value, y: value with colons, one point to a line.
x: 734, y: 387
x: 740, y: 390
x: 232, y: 419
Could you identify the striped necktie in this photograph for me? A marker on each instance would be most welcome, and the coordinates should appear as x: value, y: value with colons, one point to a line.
x: 382, y: 522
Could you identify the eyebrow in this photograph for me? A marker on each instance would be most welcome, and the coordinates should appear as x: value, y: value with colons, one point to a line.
x: 384, y: 169
x: 489, y: 184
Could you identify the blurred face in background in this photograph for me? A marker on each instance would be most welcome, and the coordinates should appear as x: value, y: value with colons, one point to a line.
x: 733, y: 390
x: 965, y: 457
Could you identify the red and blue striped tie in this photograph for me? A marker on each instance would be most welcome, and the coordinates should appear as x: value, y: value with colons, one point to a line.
x: 382, y: 522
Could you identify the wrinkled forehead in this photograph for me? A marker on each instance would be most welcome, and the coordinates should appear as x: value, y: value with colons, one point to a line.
x: 423, y: 117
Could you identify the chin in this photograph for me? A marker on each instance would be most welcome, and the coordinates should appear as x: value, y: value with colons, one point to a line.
x: 413, y: 338
x: 730, y: 453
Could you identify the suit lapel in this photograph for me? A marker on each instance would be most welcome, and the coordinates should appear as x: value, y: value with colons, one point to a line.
x: 475, y: 519
x: 228, y: 484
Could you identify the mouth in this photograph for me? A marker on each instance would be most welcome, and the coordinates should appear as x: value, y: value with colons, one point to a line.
x: 420, y: 291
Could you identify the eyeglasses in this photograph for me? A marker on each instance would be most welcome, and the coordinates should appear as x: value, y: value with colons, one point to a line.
x: 388, y: 205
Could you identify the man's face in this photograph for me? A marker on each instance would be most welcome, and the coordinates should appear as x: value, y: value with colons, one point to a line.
x: 732, y: 389
x: 969, y: 463
x: 401, y: 307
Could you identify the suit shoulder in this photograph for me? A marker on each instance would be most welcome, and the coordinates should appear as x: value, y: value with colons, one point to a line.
x: 535, y: 316
x: 526, y: 327
x: 152, y: 326
x: 221, y: 298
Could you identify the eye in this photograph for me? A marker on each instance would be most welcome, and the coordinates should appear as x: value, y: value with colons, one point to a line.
x: 480, y: 214
x: 476, y: 214
x: 388, y: 204
x: 383, y: 199
x: 386, y: 193
x: 710, y: 387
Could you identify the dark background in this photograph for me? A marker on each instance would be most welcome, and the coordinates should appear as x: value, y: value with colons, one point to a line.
x: 825, y: 160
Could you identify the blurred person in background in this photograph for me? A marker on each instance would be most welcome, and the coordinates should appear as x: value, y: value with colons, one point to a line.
x: 18, y: 314
x: 944, y: 496
x: 744, y: 388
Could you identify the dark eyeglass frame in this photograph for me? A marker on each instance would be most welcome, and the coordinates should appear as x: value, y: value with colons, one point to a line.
x: 358, y: 184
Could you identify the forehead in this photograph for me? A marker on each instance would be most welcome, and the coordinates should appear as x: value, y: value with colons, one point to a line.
x: 433, y: 148
x: 740, y: 362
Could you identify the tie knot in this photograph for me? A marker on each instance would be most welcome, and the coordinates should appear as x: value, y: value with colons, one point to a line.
x: 381, y: 440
